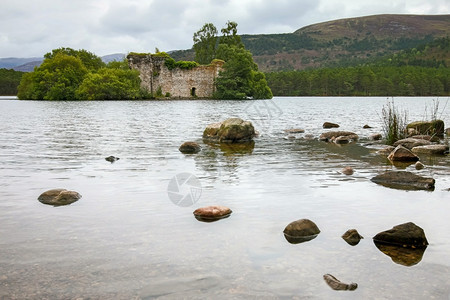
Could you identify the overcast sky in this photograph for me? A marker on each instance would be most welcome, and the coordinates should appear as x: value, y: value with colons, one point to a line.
x: 32, y: 28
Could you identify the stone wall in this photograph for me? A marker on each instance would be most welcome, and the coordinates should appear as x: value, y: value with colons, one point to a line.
x: 197, y: 82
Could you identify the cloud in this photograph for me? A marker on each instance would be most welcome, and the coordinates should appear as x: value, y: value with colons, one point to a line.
x: 32, y: 28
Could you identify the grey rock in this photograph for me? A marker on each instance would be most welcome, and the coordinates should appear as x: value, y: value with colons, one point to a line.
x: 431, y: 149
x: 404, y: 180
x: 190, y: 148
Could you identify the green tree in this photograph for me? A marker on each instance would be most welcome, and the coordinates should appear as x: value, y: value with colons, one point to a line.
x: 91, y: 61
x: 57, y: 78
x: 9, y: 80
x: 205, y: 44
x: 110, y: 84
x: 230, y: 36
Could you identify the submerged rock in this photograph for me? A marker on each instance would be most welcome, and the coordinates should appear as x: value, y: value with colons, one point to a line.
x: 330, y: 125
x: 347, y: 170
x: 212, y: 213
x: 352, y: 237
x: 431, y: 149
x: 337, y: 285
x: 405, y: 235
x: 59, y: 197
x: 386, y: 151
x: 233, y: 130
x: 300, y: 231
x: 366, y: 127
x: 331, y: 136
x: 401, y: 255
x: 111, y: 159
x: 404, y: 180
x: 190, y: 148
x: 401, y: 153
x: 411, y: 143
x: 294, y: 130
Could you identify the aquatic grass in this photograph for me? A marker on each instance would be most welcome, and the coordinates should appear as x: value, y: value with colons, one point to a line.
x: 394, y: 123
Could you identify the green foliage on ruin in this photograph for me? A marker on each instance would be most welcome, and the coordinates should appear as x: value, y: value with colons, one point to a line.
x: 68, y: 74
x: 240, y: 78
x: 171, y: 64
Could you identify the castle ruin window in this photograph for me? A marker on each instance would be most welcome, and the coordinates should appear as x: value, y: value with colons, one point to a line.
x: 193, y: 92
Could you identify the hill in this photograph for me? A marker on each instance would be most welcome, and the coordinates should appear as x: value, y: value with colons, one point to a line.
x: 342, y: 42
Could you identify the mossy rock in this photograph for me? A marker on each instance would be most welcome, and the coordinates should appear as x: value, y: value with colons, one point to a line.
x: 435, y: 127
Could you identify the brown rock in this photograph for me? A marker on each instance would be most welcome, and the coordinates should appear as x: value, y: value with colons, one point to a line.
x: 332, y: 135
x: 190, y: 147
x: 352, y: 237
x: 405, y: 235
x: 294, y: 130
x: 59, y: 197
x: 435, y: 127
x: 233, y: 130
x: 212, y: 213
x: 386, y: 151
x: 431, y: 149
x: 347, y: 170
x: 376, y: 137
x: 400, y: 153
x: 366, y: 126
x: 426, y: 137
x: 404, y: 180
x: 419, y: 166
x: 447, y: 131
x: 300, y: 231
x: 400, y: 255
x: 330, y: 125
x: 411, y: 143
x: 337, y: 285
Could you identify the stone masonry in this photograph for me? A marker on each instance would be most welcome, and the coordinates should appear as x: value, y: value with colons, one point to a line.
x: 197, y: 82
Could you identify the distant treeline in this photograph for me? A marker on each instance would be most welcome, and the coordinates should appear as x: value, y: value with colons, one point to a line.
x: 362, y: 81
x: 9, y: 81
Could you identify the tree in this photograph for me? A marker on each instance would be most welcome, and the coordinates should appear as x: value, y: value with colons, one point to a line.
x: 205, y: 44
x: 91, y: 61
x: 110, y: 84
x: 230, y: 36
x: 57, y: 78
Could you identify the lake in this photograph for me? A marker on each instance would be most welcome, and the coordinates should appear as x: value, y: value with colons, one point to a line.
x: 126, y: 239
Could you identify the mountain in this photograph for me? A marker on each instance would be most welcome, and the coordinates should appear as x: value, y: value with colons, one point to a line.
x: 28, y: 64
x: 341, y: 42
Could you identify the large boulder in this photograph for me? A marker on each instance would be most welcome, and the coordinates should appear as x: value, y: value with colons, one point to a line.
x: 233, y: 130
x: 411, y: 143
x: 404, y: 180
x: 401, y: 153
x: 407, y: 235
x: 435, y: 127
x: 331, y: 136
x: 59, y: 197
x: 431, y: 149
x: 212, y: 213
x: 330, y: 125
x: 300, y: 231
x: 189, y: 147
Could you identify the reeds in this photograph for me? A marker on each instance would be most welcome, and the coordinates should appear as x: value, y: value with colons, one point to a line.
x: 394, y: 123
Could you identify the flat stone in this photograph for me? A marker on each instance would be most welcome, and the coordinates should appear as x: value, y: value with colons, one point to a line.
x: 411, y: 143
x: 405, y: 235
x: 190, y: 148
x: 403, y: 154
x: 212, y: 213
x: 332, y: 135
x: 404, y: 180
x: 294, y: 130
x: 431, y: 149
x: 59, y: 197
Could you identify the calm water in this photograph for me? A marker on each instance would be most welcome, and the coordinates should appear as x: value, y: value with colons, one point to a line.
x: 125, y: 239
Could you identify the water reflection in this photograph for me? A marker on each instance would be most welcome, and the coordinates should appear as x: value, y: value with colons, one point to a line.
x: 402, y: 255
x: 299, y: 239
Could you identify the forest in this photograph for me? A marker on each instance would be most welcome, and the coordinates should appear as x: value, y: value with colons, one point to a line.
x: 9, y: 81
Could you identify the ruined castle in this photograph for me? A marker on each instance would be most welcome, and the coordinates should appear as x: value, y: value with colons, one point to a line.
x: 157, y: 78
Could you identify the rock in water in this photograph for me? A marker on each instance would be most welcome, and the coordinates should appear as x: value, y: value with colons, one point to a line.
x: 294, y: 130
x: 190, y: 147
x: 376, y: 137
x: 352, y: 237
x: 404, y: 180
x: 435, y: 127
x: 401, y: 153
x: 337, y: 285
x: 347, y: 171
x: 59, y: 197
x: 431, y: 149
x: 330, y: 136
x: 327, y: 125
x: 233, y: 130
x: 403, y: 235
x: 111, y: 159
x: 419, y: 166
x: 301, y: 231
x: 410, y: 143
x: 212, y: 213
